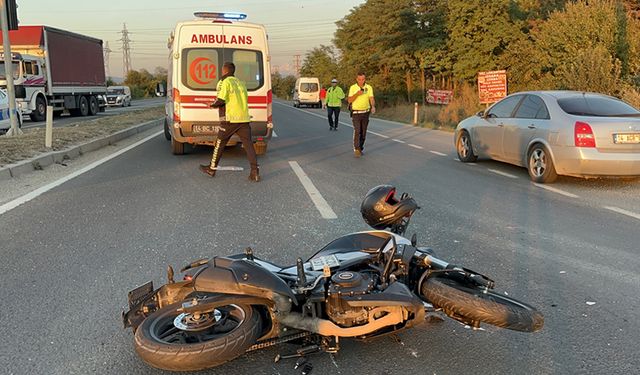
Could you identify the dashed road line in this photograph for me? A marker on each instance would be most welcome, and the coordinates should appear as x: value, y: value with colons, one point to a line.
x: 505, y: 174
x: 623, y: 212
x: 415, y: 146
x: 36, y: 193
x: 555, y: 190
x: 437, y: 153
x: 398, y: 140
x: 314, y: 194
x: 378, y: 134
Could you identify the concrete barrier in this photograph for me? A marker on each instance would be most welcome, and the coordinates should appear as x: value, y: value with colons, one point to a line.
x: 44, y: 160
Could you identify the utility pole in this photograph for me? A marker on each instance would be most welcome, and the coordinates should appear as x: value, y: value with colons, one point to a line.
x: 106, y: 50
x: 8, y: 66
x: 126, y: 50
x: 297, y: 64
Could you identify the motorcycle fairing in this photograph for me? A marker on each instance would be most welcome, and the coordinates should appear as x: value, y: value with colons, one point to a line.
x: 240, y: 276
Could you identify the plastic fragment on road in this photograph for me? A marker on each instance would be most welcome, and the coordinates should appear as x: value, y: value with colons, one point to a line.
x: 590, y: 303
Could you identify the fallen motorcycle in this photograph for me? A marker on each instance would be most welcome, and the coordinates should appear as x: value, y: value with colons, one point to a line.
x: 361, y: 285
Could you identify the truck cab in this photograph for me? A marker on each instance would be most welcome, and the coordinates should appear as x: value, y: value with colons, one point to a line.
x: 28, y: 79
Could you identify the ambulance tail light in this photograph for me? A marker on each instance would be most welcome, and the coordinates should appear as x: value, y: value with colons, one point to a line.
x: 176, y: 105
x: 269, y: 108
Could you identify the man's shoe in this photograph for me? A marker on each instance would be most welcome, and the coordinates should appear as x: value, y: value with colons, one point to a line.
x: 357, y: 153
x: 254, y: 175
x: 206, y: 168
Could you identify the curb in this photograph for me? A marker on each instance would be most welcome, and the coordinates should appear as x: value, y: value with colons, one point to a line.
x: 44, y: 160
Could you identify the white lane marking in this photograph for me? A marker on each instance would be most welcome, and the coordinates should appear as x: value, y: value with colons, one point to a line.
x: 273, y: 134
x: 398, y: 140
x: 314, y: 194
x: 624, y: 212
x: 456, y: 159
x: 558, y: 191
x: 34, y: 194
x: 378, y: 134
x: 505, y: 174
x: 415, y: 146
x: 437, y: 153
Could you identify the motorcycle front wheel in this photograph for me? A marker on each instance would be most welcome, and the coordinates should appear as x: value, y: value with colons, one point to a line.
x: 169, y: 340
x: 473, y: 304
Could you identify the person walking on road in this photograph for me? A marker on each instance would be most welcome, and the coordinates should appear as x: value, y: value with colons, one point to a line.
x: 233, y: 97
x: 334, y: 102
x: 323, y: 97
x: 362, y: 105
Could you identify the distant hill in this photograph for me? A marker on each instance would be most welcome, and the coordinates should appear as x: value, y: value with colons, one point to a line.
x: 117, y: 79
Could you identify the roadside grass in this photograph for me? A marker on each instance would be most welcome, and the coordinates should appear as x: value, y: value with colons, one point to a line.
x: 31, y: 143
x: 428, y: 116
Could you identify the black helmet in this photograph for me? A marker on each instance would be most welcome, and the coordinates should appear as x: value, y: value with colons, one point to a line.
x: 381, y: 209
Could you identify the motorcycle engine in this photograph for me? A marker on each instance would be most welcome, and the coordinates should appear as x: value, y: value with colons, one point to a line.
x: 348, y: 284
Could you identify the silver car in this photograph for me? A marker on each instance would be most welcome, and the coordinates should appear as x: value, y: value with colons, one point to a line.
x: 555, y: 133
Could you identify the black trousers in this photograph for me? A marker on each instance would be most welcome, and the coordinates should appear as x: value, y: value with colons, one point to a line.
x: 360, y: 124
x: 227, y: 130
x: 333, y: 113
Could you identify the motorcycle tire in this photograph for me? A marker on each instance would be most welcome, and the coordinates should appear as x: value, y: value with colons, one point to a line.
x: 475, y: 304
x: 160, y: 344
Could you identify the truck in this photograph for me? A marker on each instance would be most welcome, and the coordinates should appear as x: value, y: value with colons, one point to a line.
x: 58, y: 68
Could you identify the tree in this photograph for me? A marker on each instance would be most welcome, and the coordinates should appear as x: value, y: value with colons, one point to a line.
x: 480, y: 32
x: 322, y: 63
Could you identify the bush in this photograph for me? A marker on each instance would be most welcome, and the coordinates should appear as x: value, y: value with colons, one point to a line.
x: 463, y: 104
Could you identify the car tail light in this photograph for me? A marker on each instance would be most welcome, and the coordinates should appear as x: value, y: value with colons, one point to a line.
x: 269, y: 107
x: 584, y: 135
x: 176, y: 105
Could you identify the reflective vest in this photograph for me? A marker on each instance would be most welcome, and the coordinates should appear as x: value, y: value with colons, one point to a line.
x: 362, y: 102
x: 234, y: 93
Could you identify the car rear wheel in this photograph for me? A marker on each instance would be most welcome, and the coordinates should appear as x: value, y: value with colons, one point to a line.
x: 464, y: 148
x: 540, y: 165
x: 167, y: 133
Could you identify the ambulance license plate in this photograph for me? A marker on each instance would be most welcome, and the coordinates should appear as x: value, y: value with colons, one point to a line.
x: 205, y: 128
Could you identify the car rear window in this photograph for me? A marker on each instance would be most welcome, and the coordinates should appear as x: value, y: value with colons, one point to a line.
x: 202, y: 67
x: 308, y: 87
x: 601, y: 106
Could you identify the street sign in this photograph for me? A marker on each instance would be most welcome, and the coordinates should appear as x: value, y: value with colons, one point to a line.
x: 439, y: 96
x: 492, y: 86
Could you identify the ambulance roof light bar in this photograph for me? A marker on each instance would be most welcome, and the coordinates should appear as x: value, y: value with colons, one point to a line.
x: 221, y: 16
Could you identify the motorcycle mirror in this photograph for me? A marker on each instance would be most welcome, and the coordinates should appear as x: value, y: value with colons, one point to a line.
x: 414, y: 240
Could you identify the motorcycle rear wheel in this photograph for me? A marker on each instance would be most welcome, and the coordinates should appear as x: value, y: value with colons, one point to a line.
x: 228, y: 333
x: 471, y: 303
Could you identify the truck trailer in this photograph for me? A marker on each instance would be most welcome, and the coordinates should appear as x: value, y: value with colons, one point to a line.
x: 58, y: 68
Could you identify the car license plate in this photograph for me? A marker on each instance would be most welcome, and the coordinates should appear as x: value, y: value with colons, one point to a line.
x: 205, y: 128
x: 626, y: 138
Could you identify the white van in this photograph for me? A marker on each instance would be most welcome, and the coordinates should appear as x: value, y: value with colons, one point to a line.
x: 198, y: 49
x: 307, y: 92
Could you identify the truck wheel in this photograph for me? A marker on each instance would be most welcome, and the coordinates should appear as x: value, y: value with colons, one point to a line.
x: 177, y: 147
x: 83, y: 106
x: 93, y: 106
x: 40, y: 113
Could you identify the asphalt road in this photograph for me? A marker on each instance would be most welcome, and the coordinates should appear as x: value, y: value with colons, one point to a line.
x: 67, y: 119
x: 71, y: 254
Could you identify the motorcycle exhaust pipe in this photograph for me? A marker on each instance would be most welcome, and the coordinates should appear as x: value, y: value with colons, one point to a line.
x: 394, y: 315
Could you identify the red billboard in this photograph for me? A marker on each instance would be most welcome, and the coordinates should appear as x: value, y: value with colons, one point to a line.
x: 492, y: 86
x: 439, y: 96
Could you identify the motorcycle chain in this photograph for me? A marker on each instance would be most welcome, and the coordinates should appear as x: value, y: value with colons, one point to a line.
x: 273, y: 342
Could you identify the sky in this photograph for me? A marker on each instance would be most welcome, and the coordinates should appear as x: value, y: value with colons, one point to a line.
x: 294, y: 26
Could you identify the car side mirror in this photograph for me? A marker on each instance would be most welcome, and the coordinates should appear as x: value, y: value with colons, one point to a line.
x: 480, y: 114
x: 160, y: 89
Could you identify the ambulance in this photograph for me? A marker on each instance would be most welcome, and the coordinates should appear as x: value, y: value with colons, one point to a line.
x: 198, y: 49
